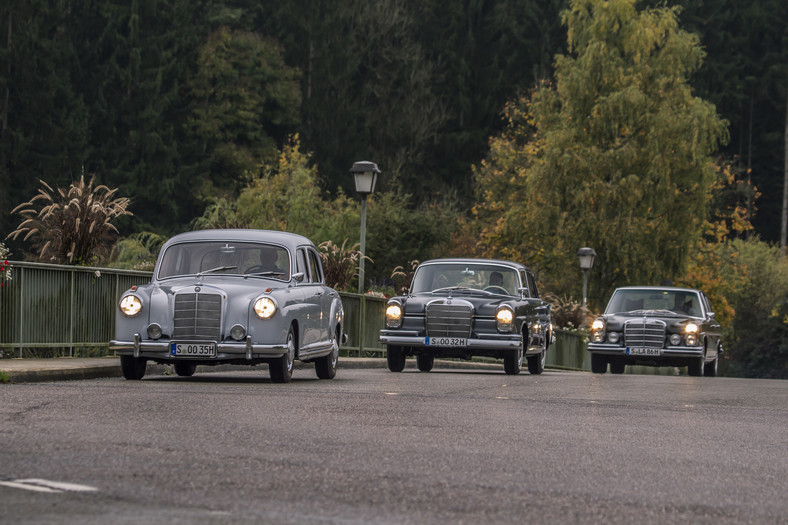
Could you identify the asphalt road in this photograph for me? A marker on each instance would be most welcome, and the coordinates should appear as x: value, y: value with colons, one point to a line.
x: 376, y: 447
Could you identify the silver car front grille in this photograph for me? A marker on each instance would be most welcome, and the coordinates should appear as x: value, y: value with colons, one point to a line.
x: 449, y: 320
x: 198, y: 316
x: 644, y: 333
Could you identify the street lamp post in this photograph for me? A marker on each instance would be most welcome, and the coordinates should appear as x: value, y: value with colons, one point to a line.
x: 365, y: 175
x: 586, y: 258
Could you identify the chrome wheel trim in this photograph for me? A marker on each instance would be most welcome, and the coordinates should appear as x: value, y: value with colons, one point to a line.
x: 290, y: 352
x: 334, y: 353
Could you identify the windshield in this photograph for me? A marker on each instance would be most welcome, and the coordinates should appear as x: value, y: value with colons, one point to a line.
x: 225, y: 258
x: 681, y: 302
x: 465, y: 276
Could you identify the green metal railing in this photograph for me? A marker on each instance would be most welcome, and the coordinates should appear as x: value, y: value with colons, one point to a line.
x: 64, y: 308
x: 70, y: 311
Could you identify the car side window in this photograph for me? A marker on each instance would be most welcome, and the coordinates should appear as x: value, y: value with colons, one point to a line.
x: 525, y: 282
x: 314, y: 266
x: 706, y: 304
x: 301, y: 264
x: 532, y: 285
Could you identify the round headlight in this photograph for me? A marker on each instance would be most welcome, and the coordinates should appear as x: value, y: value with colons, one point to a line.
x: 504, y: 318
x: 675, y: 339
x: 265, y: 307
x: 154, y: 331
x: 130, y: 305
x: 393, y: 315
x: 598, y: 324
x: 613, y: 337
x: 691, y: 328
x: 237, y: 332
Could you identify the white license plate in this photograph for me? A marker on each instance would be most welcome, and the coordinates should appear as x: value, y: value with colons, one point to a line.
x: 193, y: 349
x: 644, y: 351
x: 446, y: 341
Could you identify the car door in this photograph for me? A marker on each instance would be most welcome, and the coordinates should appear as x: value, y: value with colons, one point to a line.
x: 541, y: 309
x: 714, y: 328
x: 325, y: 293
x: 310, y: 318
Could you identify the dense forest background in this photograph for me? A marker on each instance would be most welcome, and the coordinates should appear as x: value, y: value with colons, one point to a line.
x: 153, y: 97
x: 513, y: 128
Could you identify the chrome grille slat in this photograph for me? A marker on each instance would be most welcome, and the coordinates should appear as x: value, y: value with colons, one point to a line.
x: 645, y: 333
x: 197, y: 316
x: 448, y: 320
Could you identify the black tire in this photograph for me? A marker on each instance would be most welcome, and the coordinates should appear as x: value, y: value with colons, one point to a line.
x: 536, y: 362
x: 710, y: 369
x: 326, y: 366
x: 281, y: 368
x: 695, y: 367
x: 513, y: 362
x: 395, y: 358
x: 598, y: 364
x: 133, y: 368
x: 185, y: 369
x: 617, y: 367
x: 425, y: 362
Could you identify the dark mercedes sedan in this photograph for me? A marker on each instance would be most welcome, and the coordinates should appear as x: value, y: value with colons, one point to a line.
x: 656, y: 326
x: 463, y: 308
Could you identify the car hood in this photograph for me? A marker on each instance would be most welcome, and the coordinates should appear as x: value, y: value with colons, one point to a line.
x: 482, y: 305
x: 674, y: 323
x: 235, y: 286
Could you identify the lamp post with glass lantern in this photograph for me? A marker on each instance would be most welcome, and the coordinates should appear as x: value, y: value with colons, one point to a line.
x: 585, y: 257
x: 365, y: 175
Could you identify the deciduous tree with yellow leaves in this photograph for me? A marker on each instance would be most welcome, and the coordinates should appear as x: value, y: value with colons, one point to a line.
x: 616, y: 154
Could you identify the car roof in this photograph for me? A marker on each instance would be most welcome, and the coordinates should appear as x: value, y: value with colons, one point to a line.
x: 461, y: 260
x: 289, y: 240
x: 659, y: 288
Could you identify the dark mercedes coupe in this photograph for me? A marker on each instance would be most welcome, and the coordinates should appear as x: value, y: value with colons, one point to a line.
x: 656, y: 326
x: 462, y: 308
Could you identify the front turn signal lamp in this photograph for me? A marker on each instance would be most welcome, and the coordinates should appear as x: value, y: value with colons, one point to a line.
x: 504, y: 318
x: 265, y: 308
x: 393, y: 315
x: 130, y: 305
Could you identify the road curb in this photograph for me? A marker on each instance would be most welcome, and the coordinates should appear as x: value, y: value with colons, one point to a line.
x: 69, y: 368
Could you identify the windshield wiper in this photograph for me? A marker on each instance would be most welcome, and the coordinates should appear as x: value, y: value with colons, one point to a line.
x: 265, y: 274
x: 653, y: 312
x: 456, y: 289
x: 217, y: 269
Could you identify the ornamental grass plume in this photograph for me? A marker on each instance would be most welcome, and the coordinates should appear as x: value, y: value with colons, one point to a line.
x: 339, y: 263
x: 72, y: 226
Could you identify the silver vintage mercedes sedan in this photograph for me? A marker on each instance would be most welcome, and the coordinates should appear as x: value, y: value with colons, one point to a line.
x: 231, y: 297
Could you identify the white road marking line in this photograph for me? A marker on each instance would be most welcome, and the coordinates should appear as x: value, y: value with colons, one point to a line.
x: 33, y: 488
x: 45, y: 485
x: 71, y: 487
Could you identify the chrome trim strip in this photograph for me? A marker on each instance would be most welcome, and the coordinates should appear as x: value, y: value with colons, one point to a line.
x: 472, y: 344
x: 161, y: 350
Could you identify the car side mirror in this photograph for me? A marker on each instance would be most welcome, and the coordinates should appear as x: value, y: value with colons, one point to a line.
x: 523, y: 292
x: 711, y: 315
x: 299, y: 277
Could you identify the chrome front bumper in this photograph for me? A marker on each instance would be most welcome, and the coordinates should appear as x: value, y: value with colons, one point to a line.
x: 224, y: 350
x: 669, y: 351
x: 512, y: 342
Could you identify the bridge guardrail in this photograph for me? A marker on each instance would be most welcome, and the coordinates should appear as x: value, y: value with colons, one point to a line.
x: 51, y: 310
